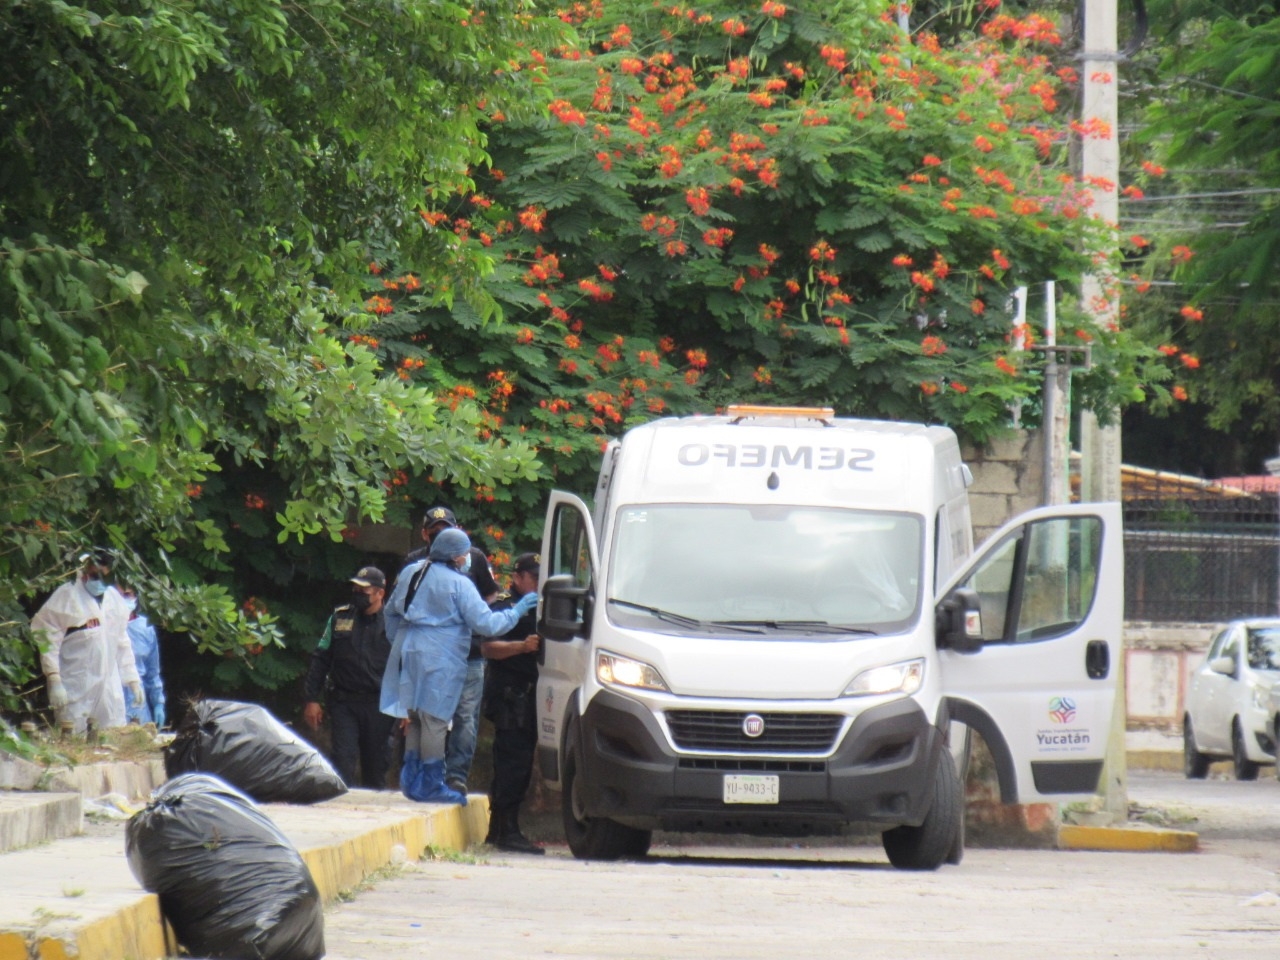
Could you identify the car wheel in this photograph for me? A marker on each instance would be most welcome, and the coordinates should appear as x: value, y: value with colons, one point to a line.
x: 1194, y: 763
x: 940, y: 838
x: 1245, y: 768
x: 595, y: 838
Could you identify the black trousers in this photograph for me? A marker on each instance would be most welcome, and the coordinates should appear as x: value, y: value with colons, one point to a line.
x: 515, y: 741
x: 360, y: 733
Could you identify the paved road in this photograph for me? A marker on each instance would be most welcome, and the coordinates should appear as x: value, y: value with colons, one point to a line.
x: 793, y: 901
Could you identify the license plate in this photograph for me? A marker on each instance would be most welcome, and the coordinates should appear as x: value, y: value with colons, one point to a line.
x: 744, y: 788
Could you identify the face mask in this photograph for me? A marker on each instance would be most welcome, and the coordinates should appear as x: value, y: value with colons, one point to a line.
x: 95, y: 587
x: 131, y: 603
x: 361, y: 600
x: 466, y: 565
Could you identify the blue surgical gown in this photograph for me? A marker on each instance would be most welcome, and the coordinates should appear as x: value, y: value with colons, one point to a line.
x: 430, y: 640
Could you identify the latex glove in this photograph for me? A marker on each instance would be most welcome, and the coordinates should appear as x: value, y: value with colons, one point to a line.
x: 57, y: 692
x: 158, y: 716
x: 313, y: 715
x: 526, y: 603
x: 135, y: 691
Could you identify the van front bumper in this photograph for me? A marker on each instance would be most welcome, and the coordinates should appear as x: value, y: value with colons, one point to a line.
x: 881, y: 772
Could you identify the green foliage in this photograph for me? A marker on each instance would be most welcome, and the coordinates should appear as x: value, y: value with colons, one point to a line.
x: 1212, y: 123
x: 188, y: 198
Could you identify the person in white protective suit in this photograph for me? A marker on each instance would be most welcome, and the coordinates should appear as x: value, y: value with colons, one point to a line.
x: 87, y: 659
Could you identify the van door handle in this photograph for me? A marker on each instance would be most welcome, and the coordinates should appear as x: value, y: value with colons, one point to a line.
x: 1097, y: 659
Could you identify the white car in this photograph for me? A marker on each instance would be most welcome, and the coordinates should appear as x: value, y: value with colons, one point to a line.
x: 1231, y: 710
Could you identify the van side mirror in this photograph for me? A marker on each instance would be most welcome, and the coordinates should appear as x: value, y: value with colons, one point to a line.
x: 958, y: 621
x: 565, y: 609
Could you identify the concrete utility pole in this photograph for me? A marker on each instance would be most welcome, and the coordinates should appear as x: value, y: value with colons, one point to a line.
x: 1055, y: 426
x: 1100, y: 446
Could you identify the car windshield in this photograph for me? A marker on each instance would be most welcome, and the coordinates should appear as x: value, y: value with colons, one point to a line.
x: 1264, y: 647
x: 730, y: 570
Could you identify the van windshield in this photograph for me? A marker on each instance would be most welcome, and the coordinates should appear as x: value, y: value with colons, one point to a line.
x: 730, y: 569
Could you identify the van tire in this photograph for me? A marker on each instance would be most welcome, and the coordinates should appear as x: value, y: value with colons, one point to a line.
x: 596, y: 838
x: 935, y: 841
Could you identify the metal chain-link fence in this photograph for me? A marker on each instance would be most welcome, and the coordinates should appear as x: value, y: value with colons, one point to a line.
x: 1201, y: 558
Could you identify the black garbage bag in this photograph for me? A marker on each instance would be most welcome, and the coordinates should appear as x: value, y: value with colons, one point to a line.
x: 253, y: 751
x: 230, y: 883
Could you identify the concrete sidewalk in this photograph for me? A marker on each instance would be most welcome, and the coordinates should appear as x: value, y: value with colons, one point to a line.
x: 76, y: 897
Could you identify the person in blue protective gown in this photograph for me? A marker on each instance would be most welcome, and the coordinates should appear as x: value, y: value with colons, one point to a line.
x: 146, y: 657
x: 431, y: 616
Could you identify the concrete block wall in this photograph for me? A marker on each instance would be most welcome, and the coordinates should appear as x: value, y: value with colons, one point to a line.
x: 1007, y: 481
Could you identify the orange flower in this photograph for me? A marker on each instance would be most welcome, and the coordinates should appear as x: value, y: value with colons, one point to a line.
x: 1179, y: 393
x: 1190, y: 362
x: 1181, y: 253
x: 1191, y: 314
x: 932, y: 346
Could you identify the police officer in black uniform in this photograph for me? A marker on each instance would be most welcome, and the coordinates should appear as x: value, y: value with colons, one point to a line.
x: 348, y: 664
x: 510, y: 703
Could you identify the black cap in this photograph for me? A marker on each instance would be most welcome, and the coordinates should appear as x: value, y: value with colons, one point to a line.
x: 438, y: 515
x: 528, y: 563
x: 370, y: 577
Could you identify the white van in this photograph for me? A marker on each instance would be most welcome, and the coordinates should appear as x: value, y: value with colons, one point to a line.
x: 773, y: 623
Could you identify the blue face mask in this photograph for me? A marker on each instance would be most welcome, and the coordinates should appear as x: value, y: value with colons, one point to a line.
x: 95, y: 587
x: 466, y: 565
x: 131, y: 603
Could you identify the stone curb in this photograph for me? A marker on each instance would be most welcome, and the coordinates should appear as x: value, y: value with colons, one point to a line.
x: 31, y: 818
x: 137, y: 930
x: 1131, y: 839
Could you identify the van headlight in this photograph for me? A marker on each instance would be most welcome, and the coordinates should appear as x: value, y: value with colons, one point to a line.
x: 904, y: 678
x: 615, y: 671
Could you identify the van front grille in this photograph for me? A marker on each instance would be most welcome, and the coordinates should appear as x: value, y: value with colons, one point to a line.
x: 783, y: 732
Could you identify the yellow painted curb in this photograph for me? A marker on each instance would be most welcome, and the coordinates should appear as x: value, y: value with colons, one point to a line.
x: 1127, y: 839
x: 138, y: 931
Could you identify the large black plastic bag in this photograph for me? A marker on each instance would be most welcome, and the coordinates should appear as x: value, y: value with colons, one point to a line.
x: 230, y: 883
x: 253, y: 751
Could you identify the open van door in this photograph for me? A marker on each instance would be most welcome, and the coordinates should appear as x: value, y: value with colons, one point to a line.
x: 1029, y: 632
x: 567, y: 584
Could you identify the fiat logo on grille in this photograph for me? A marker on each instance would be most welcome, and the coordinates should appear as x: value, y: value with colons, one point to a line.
x: 753, y: 725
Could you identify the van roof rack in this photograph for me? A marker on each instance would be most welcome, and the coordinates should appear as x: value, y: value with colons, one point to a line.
x: 740, y: 411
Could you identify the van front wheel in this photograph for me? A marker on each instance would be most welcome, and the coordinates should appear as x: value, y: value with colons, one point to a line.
x: 596, y: 838
x: 940, y: 838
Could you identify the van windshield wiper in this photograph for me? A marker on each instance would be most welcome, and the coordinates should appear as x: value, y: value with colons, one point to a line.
x: 810, y: 626
x: 681, y: 619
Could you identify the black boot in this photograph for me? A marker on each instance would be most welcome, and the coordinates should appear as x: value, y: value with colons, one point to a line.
x: 509, y: 837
